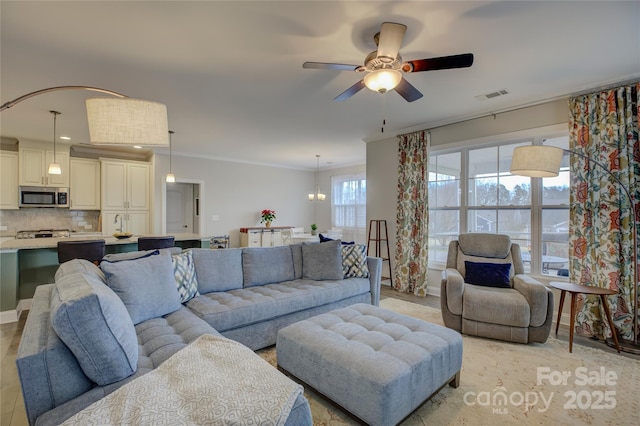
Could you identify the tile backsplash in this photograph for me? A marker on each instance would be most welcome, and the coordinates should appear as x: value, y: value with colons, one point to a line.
x: 46, y: 218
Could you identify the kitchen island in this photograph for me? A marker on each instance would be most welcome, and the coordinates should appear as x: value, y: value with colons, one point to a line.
x: 27, y: 263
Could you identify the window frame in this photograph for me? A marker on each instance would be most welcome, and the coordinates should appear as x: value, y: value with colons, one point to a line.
x: 356, y: 233
x: 533, y: 136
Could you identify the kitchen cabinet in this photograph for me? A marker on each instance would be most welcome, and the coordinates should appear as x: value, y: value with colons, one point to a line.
x: 8, y: 180
x: 136, y: 222
x: 84, y: 184
x: 34, y: 160
x: 125, y: 185
x: 125, y: 191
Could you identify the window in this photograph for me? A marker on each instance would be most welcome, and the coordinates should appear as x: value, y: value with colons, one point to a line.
x: 348, y: 206
x: 444, y: 203
x: 472, y: 190
x: 498, y: 201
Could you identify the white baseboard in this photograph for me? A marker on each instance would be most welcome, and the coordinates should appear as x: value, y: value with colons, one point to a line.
x: 8, y: 316
x: 13, y: 315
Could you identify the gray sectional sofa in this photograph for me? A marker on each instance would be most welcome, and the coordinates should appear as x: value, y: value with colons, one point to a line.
x: 96, y: 329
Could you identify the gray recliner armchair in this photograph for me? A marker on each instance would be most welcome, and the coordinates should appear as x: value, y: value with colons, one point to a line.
x: 484, y: 291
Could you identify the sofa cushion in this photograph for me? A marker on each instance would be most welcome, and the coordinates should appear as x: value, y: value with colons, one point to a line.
x: 354, y: 261
x: 267, y: 265
x: 161, y: 337
x: 504, y: 306
x: 49, y: 372
x: 130, y: 255
x: 488, y: 274
x: 322, y: 261
x: 81, y: 266
x: 184, y: 272
x: 218, y: 270
x: 296, y: 252
x: 146, y: 286
x: 94, y: 324
x: 238, y: 308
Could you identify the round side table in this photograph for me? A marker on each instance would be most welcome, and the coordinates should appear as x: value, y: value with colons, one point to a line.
x: 574, y: 289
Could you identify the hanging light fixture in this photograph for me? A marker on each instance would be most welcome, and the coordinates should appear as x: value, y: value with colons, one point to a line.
x: 54, y: 168
x: 123, y: 121
x: 317, y: 195
x: 170, y: 176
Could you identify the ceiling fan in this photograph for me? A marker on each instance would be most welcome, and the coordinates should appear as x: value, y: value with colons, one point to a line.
x: 383, y: 68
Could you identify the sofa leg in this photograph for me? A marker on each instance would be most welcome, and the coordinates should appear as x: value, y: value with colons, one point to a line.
x: 455, y: 381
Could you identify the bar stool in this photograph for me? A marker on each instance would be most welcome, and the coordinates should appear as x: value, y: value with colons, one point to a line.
x: 151, y: 243
x: 92, y: 250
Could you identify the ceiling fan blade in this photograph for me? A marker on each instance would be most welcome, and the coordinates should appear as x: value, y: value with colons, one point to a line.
x: 408, y: 91
x: 391, y: 36
x: 442, y: 63
x: 328, y: 66
x: 350, y: 91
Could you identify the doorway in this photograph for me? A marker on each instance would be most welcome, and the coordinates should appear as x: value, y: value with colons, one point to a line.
x: 182, y: 208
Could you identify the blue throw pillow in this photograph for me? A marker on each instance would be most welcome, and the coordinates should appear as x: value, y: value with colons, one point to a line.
x: 488, y: 274
x: 324, y: 239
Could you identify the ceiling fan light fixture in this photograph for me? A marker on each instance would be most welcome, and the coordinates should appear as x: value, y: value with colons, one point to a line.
x: 382, y: 80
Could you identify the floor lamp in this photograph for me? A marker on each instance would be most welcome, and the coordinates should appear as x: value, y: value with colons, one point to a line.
x: 119, y: 121
x: 544, y: 161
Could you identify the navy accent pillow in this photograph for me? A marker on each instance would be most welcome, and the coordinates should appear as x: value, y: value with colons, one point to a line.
x: 488, y: 274
x: 324, y: 239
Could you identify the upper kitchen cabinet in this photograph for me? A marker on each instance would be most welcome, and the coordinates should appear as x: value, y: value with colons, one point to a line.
x: 8, y: 180
x: 84, y: 185
x: 125, y: 185
x: 34, y: 160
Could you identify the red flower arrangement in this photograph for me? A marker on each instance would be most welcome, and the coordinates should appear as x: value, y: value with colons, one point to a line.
x: 267, y: 215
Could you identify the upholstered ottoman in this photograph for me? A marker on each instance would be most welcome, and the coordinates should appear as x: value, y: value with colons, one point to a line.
x: 377, y: 364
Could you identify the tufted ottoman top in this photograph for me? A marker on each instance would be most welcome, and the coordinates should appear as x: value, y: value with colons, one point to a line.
x: 377, y: 364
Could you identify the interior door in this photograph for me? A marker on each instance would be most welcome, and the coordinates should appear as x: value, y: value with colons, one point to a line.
x: 179, y: 207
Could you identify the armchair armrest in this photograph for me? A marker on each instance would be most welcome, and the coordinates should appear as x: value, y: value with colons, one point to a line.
x: 453, y: 283
x: 537, y: 296
x: 375, y: 278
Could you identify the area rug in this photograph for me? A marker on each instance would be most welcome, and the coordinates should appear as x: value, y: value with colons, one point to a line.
x: 508, y: 384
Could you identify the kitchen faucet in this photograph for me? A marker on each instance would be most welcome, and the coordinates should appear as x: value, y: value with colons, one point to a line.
x: 115, y: 220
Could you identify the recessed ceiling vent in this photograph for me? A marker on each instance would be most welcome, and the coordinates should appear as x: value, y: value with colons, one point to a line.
x: 492, y: 95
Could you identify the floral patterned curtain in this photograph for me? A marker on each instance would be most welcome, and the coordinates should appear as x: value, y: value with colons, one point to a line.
x: 412, y: 220
x: 604, y: 127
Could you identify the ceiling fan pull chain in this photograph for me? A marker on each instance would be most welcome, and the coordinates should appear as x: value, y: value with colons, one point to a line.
x: 384, y: 121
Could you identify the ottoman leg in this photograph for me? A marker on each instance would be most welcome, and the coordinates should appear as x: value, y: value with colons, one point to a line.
x: 455, y: 382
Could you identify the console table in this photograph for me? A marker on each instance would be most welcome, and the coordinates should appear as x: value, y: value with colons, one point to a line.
x: 574, y: 289
x: 261, y: 236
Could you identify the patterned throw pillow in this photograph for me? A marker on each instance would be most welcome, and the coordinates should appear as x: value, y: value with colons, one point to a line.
x: 354, y: 261
x: 184, y: 272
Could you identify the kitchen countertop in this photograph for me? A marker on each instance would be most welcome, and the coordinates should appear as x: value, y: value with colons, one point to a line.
x: 38, y: 243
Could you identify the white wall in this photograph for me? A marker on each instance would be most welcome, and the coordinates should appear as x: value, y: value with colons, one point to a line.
x: 382, y: 156
x: 237, y: 192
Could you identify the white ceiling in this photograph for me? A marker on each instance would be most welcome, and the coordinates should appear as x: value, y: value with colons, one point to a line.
x: 231, y: 73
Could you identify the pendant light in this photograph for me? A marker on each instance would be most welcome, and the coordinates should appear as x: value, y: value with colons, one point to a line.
x: 170, y: 176
x: 317, y: 195
x: 54, y: 168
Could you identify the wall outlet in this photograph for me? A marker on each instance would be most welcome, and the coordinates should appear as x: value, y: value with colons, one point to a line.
x: 215, y: 217
x: 88, y: 227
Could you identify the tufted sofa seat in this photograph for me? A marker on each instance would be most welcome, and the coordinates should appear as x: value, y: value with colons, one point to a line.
x: 377, y: 364
x: 97, y: 329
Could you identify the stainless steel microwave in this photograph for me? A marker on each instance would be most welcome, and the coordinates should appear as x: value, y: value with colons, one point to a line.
x: 39, y: 196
